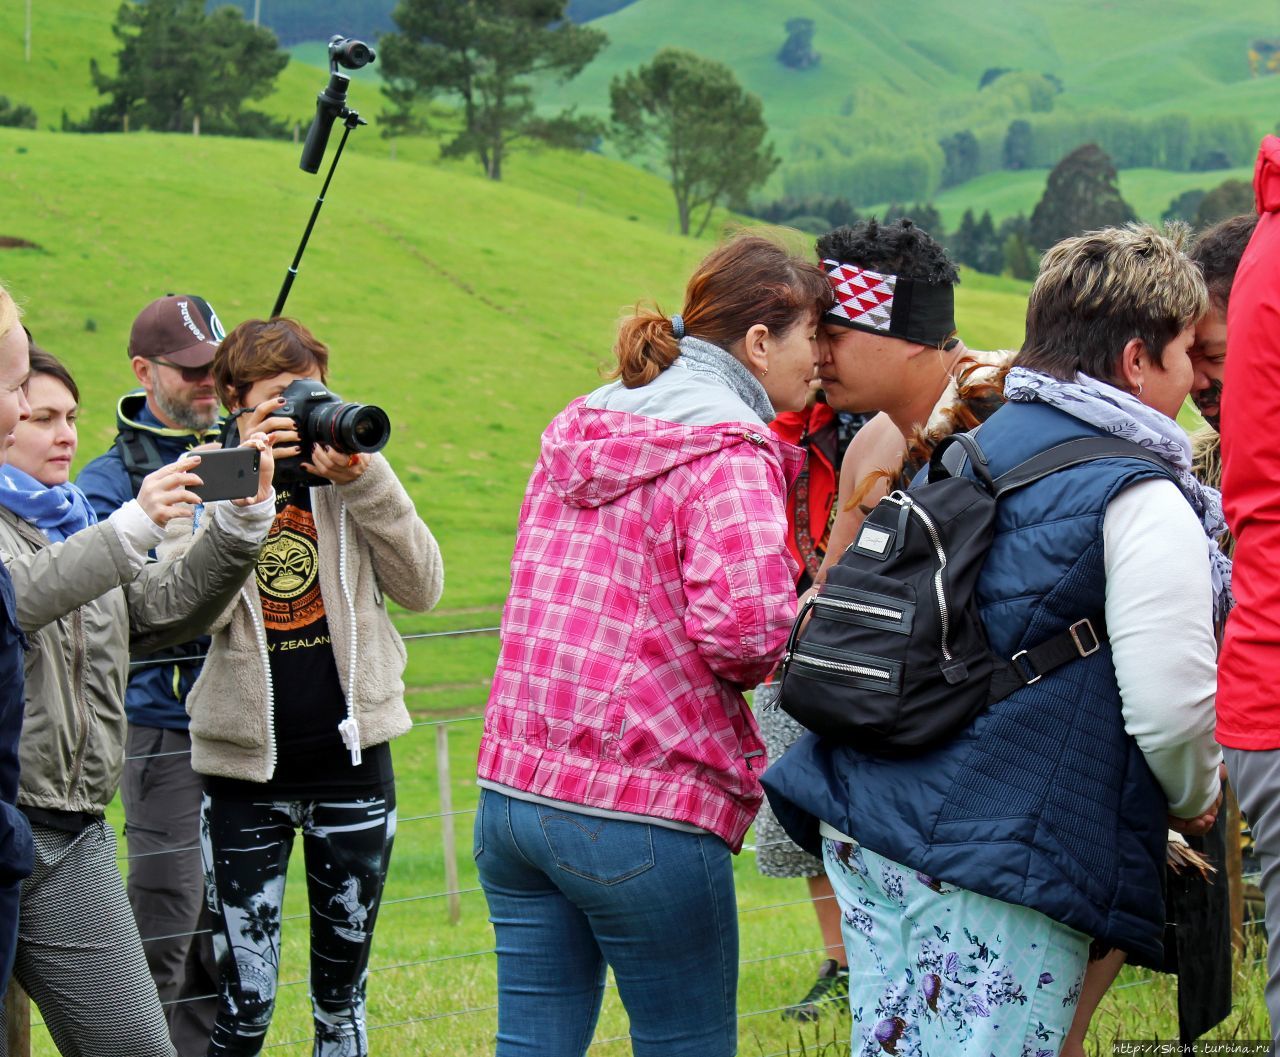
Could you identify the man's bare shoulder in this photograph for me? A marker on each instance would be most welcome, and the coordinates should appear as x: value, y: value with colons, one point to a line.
x: 877, y: 446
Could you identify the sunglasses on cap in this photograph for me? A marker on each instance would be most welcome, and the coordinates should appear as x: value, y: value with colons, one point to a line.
x: 189, y: 374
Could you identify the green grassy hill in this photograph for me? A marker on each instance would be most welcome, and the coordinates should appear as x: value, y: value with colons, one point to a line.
x: 1141, y: 54
x: 472, y: 311
x: 896, y: 77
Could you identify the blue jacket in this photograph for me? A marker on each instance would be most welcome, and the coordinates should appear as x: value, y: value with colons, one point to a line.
x: 16, y: 850
x: 157, y: 694
x: 1044, y: 800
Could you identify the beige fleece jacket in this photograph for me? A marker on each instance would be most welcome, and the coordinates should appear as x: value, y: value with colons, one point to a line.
x: 372, y: 545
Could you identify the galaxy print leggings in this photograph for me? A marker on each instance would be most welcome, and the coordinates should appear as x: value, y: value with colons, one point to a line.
x: 245, y: 849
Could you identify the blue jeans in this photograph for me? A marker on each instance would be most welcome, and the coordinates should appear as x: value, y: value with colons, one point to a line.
x: 569, y: 893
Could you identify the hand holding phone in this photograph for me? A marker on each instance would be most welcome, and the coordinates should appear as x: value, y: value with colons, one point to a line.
x: 229, y: 473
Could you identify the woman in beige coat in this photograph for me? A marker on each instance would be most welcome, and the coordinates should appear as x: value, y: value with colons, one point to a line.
x: 300, y: 695
x: 86, y: 595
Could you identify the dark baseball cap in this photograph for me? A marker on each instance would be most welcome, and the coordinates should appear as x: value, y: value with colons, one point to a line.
x: 181, y: 328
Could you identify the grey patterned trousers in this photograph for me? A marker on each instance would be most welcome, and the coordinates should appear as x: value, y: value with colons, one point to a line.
x: 79, y: 955
x: 776, y: 854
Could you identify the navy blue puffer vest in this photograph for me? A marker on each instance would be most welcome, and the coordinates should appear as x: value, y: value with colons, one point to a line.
x: 1044, y: 801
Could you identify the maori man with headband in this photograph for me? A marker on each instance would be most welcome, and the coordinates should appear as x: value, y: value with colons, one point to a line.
x: 889, y: 349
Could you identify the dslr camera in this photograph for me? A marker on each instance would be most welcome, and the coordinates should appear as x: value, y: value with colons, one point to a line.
x: 323, y: 417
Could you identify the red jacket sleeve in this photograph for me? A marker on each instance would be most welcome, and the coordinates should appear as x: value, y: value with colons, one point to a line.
x: 1249, y: 670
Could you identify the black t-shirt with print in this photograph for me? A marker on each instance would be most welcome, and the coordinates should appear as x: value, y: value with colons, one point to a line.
x: 311, y: 759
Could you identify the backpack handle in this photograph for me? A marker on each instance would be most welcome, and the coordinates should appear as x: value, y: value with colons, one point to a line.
x: 948, y: 460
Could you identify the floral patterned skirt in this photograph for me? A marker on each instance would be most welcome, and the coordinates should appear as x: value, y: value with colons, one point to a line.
x: 935, y: 969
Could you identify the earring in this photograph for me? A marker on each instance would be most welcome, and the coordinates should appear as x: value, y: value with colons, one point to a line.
x: 1139, y: 392
x: 765, y: 371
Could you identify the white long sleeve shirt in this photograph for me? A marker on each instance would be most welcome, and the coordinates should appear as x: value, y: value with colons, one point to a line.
x: 1159, y: 609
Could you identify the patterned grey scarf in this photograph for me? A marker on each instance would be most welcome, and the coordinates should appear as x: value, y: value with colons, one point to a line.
x: 1122, y: 414
x: 703, y: 356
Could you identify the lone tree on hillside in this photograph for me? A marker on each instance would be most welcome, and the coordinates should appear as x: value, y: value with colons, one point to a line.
x: 1081, y: 195
x: 178, y: 65
x: 484, y: 53
x: 797, y: 52
x: 709, y: 133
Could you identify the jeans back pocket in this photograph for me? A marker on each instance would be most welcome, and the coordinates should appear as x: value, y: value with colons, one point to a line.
x: 607, y: 851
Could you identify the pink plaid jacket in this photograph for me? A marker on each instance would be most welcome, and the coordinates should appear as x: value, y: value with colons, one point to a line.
x: 650, y: 584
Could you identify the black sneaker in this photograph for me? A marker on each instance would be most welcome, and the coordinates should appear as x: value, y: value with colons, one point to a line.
x: 832, y: 986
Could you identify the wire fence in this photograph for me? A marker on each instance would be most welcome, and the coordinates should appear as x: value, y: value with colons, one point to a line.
x: 453, y: 892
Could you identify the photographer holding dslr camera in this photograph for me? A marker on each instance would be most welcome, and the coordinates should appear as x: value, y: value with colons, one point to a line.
x: 302, y: 690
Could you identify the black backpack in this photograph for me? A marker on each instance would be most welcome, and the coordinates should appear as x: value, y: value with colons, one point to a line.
x: 890, y: 655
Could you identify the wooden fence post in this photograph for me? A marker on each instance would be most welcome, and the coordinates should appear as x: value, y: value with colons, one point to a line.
x: 446, y: 823
x: 17, y: 1011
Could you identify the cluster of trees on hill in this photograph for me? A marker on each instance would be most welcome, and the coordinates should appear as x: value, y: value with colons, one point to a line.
x: 1178, y: 142
x: 180, y: 68
x: 1081, y: 193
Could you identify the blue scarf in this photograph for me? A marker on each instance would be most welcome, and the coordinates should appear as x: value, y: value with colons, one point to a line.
x: 59, y: 510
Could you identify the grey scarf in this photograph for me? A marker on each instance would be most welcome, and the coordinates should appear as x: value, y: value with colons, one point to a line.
x: 703, y: 356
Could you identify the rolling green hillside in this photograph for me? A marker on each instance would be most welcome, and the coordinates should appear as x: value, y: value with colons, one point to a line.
x: 896, y: 77
x: 1139, y: 54
x: 472, y: 311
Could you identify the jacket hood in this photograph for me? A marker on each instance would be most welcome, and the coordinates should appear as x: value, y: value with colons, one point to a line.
x: 1266, y: 176
x: 132, y: 413
x: 591, y: 456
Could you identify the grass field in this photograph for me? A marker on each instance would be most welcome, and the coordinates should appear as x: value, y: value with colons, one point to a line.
x: 432, y: 983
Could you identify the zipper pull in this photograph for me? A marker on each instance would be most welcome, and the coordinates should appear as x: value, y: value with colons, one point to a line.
x: 350, y: 732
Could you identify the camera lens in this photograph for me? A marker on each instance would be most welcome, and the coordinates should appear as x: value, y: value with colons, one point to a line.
x: 351, y: 428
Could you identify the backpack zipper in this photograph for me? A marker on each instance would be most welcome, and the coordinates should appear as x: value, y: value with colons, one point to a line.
x: 944, y: 613
x: 839, y: 666
x: 860, y: 607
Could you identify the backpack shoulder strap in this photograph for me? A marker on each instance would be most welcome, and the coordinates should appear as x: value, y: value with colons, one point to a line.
x: 953, y: 453
x: 1073, y: 453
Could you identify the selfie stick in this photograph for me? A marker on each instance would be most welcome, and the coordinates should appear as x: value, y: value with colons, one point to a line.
x: 331, y: 104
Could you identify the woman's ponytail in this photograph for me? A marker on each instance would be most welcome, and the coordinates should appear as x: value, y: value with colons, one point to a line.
x: 646, y: 347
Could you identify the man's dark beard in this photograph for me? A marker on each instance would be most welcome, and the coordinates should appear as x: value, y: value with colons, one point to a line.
x: 184, y: 415
x: 1210, y: 397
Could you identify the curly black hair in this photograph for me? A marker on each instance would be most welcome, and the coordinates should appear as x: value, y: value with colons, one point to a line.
x: 899, y: 248
x: 1218, y: 251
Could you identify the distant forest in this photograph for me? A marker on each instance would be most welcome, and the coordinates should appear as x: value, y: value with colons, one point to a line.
x: 298, y: 20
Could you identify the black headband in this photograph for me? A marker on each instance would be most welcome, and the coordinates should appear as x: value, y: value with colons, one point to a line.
x: 893, y: 305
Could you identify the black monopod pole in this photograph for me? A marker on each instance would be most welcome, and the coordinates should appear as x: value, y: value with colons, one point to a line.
x: 350, y: 119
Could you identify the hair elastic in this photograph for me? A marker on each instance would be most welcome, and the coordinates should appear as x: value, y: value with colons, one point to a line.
x: 677, y: 326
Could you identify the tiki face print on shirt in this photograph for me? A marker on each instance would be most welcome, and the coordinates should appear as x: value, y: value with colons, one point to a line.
x: 288, y: 568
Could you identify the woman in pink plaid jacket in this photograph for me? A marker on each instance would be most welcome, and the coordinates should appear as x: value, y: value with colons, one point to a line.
x: 650, y: 584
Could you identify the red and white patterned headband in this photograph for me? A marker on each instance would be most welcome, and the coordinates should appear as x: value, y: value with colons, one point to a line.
x: 893, y: 305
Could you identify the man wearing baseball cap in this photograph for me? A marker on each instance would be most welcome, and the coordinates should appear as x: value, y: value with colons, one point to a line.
x: 171, y: 349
